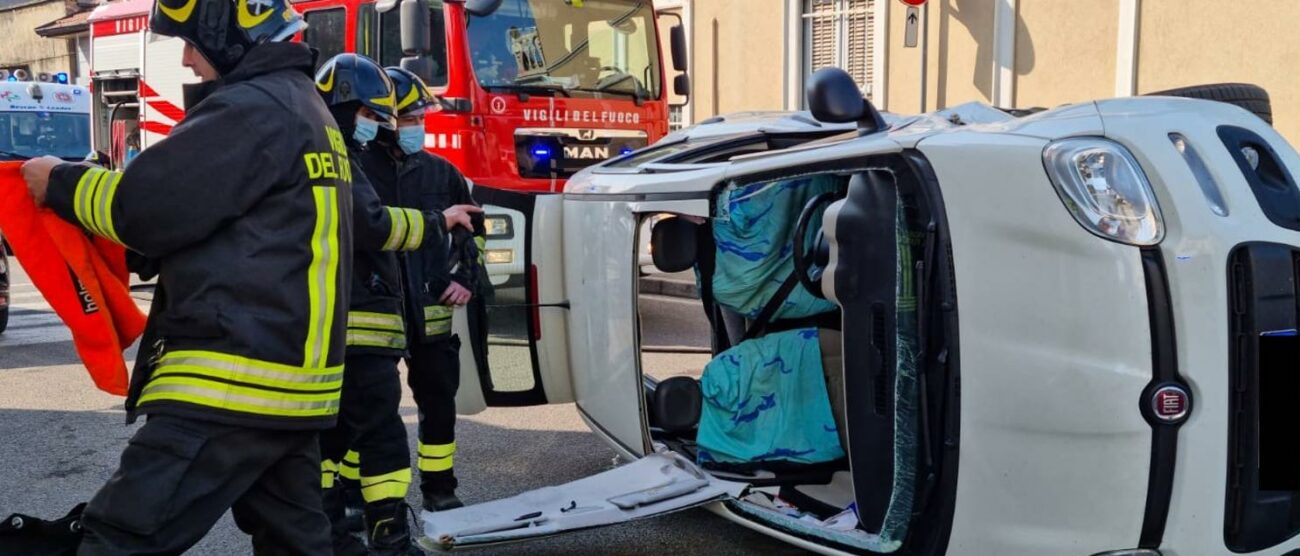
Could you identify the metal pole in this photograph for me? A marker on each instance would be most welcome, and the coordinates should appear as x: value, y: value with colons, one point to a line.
x: 925, y: 47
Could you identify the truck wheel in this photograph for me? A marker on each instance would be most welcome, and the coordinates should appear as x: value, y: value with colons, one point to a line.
x: 1251, y: 97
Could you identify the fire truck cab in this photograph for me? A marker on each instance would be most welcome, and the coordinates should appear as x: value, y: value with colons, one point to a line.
x: 529, y: 91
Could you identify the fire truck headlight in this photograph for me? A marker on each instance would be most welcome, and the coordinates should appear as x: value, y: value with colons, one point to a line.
x: 497, y: 227
x: 498, y: 256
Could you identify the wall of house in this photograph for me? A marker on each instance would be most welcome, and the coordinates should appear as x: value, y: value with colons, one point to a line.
x: 22, y: 46
x: 738, y: 56
x: 1065, y: 51
x: 746, y: 53
x: 1188, y: 42
x: 960, y: 43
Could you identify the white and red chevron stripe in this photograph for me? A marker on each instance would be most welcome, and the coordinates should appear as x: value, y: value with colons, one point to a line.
x: 169, y: 112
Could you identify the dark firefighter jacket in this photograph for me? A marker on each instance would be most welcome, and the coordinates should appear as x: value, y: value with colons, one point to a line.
x: 245, y: 209
x: 430, y: 183
x: 375, y: 322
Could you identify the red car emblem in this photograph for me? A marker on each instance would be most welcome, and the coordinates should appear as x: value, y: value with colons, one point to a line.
x: 1170, y: 404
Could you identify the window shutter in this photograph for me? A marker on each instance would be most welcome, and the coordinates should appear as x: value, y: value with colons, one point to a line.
x: 820, y: 26
x: 859, y: 33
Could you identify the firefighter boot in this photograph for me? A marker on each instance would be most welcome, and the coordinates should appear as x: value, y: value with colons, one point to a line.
x: 354, y: 505
x: 388, y: 528
x: 344, y: 543
x: 439, y: 500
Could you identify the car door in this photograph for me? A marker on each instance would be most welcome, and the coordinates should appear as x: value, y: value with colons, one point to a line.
x: 518, y: 354
x: 655, y: 485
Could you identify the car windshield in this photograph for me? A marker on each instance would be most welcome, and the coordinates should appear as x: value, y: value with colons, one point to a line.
x: 587, y: 48
x: 32, y: 134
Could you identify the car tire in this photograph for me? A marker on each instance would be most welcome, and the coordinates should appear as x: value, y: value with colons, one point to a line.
x: 1251, y: 97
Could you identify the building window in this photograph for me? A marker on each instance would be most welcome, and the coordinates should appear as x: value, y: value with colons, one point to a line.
x: 840, y: 33
x: 325, y: 29
x: 675, y: 121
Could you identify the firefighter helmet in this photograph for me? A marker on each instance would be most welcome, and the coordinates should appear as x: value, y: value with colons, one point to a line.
x: 409, y: 90
x: 349, y: 78
x: 223, y: 31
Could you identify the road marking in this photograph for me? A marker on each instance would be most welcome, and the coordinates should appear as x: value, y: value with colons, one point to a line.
x: 37, y: 335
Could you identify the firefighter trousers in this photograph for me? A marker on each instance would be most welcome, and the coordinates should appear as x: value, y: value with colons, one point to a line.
x: 178, y: 476
x: 369, y: 423
x: 434, y: 376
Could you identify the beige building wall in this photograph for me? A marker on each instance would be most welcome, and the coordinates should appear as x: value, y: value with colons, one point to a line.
x: 1065, y: 51
x: 1059, y: 51
x: 738, y: 56
x: 960, y: 67
x: 1190, y: 42
x: 22, y: 46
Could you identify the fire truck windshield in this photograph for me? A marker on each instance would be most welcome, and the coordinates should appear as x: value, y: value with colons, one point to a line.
x: 32, y: 134
x: 581, y: 48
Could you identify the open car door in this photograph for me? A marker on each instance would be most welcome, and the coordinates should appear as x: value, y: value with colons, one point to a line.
x: 651, y: 486
x: 514, y: 350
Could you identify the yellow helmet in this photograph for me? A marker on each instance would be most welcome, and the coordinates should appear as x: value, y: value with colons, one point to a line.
x: 225, y: 30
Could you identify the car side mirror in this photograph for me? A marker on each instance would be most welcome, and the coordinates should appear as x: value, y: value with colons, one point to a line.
x: 416, y: 37
x: 833, y: 97
x: 421, y: 66
x: 482, y: 8
x: 677, y: 40
x: 682, y: 85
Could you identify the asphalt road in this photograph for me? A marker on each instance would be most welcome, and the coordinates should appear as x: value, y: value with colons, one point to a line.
x: 60, y: 440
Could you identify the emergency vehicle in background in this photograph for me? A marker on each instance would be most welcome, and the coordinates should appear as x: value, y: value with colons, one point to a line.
x: 530, y: 91
x: 37, y: 119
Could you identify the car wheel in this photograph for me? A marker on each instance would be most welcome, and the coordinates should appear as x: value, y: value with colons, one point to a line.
x: 4, y: 319
x: 1251, y: 97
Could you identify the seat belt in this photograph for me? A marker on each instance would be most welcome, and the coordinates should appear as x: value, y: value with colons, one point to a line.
x: 757, y: 327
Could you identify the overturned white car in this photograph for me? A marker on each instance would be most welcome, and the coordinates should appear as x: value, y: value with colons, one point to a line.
x: 1066, y: 333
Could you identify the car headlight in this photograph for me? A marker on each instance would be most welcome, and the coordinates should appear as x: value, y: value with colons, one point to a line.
x: 1104, y: 189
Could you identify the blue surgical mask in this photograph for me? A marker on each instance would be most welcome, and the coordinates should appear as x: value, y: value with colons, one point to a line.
x: 410, y: 138
x: 366, y: 130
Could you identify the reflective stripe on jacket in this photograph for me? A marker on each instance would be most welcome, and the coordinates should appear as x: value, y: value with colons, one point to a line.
x: 241, y: 210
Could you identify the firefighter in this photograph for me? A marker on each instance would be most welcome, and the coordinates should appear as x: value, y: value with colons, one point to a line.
x: 246, y: 214
x: 360, y: 97
x: 437, y: 280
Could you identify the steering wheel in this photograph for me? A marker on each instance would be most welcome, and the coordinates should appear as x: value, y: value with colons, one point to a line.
x: 611, y: 80
x: 810, y: 265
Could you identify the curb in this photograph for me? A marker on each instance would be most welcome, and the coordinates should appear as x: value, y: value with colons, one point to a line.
x: 668, y: 287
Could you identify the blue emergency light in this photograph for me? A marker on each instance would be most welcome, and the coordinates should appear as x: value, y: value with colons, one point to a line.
x: 624, y: 151
x: 12, y: 78
x: 542, y: 152
x: 61, y: 77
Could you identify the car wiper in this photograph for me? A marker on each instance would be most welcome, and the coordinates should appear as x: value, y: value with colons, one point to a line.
x: 10, y: 155
x: 635, y: 95
x: 524, y: 89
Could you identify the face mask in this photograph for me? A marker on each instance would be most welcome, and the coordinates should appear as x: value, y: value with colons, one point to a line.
x: 410, y: 138
x: 366, y: 130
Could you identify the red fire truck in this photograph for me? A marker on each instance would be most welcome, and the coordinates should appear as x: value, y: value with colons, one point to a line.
x: 530, y: 91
